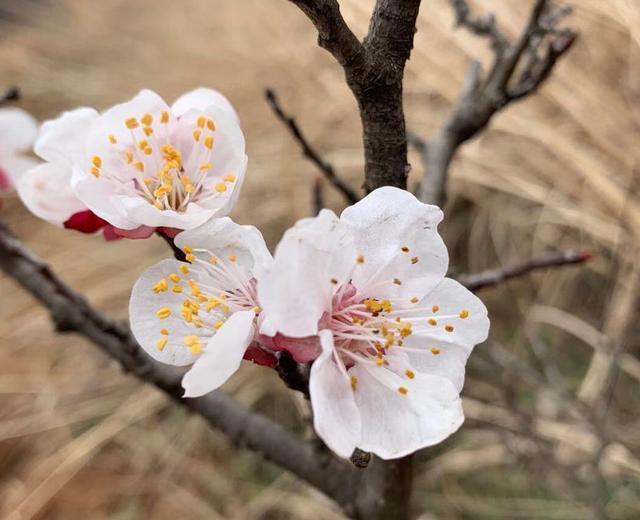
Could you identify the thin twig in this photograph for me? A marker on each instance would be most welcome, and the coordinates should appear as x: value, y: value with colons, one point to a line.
x: 72, y: 313
x: 317, y: 195
x: 308, y: 151
x: 517, y: 71
x: 476, y: 282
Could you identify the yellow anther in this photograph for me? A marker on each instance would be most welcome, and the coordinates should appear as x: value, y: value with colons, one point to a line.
x: 158, y: 204
x: 196, y: 135
x: 112, y: 139
x: 218, y: 324
x: 177, y: 289
x: 161, y: 191
x: 211, y: 125
x: 128, y: 157
x: 213, y: 259
x: 164, y: 332
x: 448, y: 328
x: 139, y: 166
x: 191, y: 340
x: 96, y: 161
x: 162, y: 342
x: 190, y: 258
x: 397, y: 281
x: 464, y: 314
x: 196, y: 348
x: 354, y: 383
x: 187, y: 249
x: 256, y: 309
x: 184, y: 269
x: 95, y: 172
x: 435, y: 309
x: 232, y: 258
x: 148, y: 180
x: 143, y: 144
x: 146, y: 119
x: 208, y: 142
x: 403, y: 390
x: 148, y: 150
x: 386, y: 305
x: 432, y: 322
x: 174, y: 277
x: 333, y: 281
x: 404, y: 249
x: 360, y: 259
x: 414, y: 300
x: 414, y: 260
x: 435, y: 351
x: 212, y: 303
x: 230, y: 178
x: 201, y: 121
x: 409, y: 373
x: 163, y: 313
x: 379, y: 361
x: 131, y: 123
x: 161, y: 286
x: 205, y: 166
x: 189, y: 188
x: 147, y: 130
x: 221, y: 187
x: 164, y: 117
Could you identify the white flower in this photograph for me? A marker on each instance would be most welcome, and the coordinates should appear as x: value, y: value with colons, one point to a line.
x: 393, y: 334
x: 18, y: 130
x: 141, y: 165
x: 203, y: 311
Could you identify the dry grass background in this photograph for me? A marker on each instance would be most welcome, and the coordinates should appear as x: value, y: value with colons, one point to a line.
x: 78, y: 439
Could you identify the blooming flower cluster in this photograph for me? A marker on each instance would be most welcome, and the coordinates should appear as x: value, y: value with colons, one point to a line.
x: 362, y: 298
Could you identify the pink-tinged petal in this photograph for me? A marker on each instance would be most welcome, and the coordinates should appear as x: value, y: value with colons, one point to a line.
x: 259, y: 356
x: 17, y: 128
x: 396, y: 423
x: 313, y: 258
x: 169, y: 232
x: 62, y: 139
x: 46, y: 191
x: 201, y: 99
x: 302, y: 350
x: 109, y: 233
x: 147, y: 325
x: 221, y: 357
x: 85, y: 222
x: 141, y: 232
x: 5, y: 182
x: 404, y: 256
x: 224, y: 238
x: 336, y: 417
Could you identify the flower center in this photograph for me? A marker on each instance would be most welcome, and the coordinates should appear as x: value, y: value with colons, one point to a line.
x: 150, y: 165
x: 222, y: 289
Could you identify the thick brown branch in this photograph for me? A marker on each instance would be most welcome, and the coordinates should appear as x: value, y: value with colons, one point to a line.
x: 517, y: 71
x: 308, y: 151
x: 475, y: 282
x: 71, y: 313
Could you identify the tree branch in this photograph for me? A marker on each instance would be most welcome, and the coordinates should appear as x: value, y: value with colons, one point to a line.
x: 72, y: 313
x: 476, y: 282
x: 517, y: 71
x: 373, y: 70
x: 308, y: 151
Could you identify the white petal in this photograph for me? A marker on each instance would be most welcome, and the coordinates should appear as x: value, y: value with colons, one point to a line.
x: 297, y: 289
x: 138, y: 210
x: 18, y: 129
x: 46, y: 191
x: 14, y: 165
x: 62, y: 139
x: 384, y: 222
x: 103, y: 198
x: 336, y: 418
x: 221, y: 357
x: 146, y: 324
x: 223, y: 237
x: 396, y: 424
x: 200, y: 99
x: 460, y: 318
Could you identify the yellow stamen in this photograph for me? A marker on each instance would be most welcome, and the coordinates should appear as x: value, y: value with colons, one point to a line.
x: 163, y: 313
x: 221, y: 187
x: 232, y: 258
x: 230, y: 178
x: 404, y: 249
x: 201, y: 121
x: 146, y: 119
x: 410, y: 373
x: 435, y: 351
x: 211, y: 125
x: 435, y: 309
x: 448, y: 328
x: 96, y: 161
x: 95, y: 172
x: 174, y: 277
x: 464, y: 314
x: 360, y: 259
x: 208, y: 142
x: 164, y: 332
x: 131, y: 123
x: 196, y: 135
x: 354, y: 383
x: 112, y: 139
x: 162, y: 342
x: 164, y: 117
x: 403, y: 390
x: 432, y: 322
x: 147, y: 130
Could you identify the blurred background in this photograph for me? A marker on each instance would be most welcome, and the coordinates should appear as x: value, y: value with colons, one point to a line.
x: 551, y: 399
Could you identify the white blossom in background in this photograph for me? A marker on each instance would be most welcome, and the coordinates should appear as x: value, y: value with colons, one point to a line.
x: 140, y: 165
x: 390, y: 335
x: 204, y: 312
x: 18, y: 130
